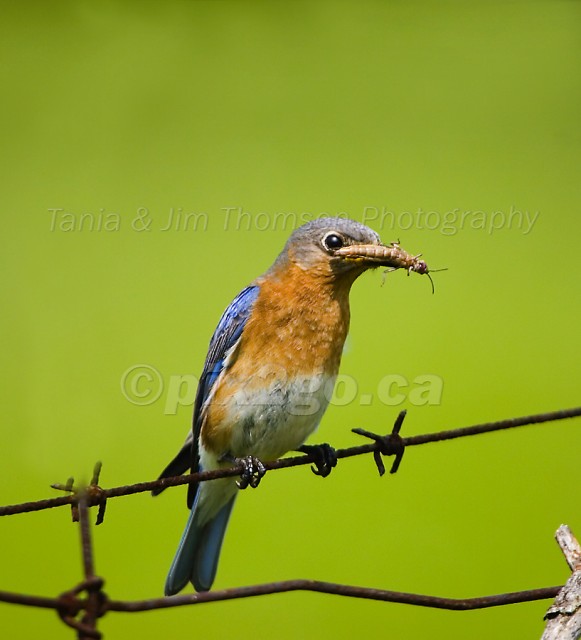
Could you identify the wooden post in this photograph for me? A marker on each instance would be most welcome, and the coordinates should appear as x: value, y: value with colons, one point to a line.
x: 564, y: 617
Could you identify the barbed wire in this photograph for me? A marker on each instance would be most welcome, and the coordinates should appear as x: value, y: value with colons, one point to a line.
x: 390, y: 444
x: 81, y: 607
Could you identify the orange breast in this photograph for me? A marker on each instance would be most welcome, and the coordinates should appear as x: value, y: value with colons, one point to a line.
x: 297, y: 329
x: 298, y: 322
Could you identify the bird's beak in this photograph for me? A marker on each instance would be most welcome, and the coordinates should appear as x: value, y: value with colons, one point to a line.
x: 382, y: 255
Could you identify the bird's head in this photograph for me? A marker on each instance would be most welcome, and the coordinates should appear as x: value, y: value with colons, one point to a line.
x: 342, y: 249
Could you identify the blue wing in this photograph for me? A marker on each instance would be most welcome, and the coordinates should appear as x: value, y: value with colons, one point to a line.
x: 225, y: 337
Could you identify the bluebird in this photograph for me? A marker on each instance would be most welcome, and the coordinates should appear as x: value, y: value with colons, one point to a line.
x: 268, y: 377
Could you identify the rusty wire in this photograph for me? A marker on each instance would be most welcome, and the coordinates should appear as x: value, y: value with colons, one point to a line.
x: 367, y: 593
x: 81, y: 607
x: 68, y: 603
x: 390, y: 444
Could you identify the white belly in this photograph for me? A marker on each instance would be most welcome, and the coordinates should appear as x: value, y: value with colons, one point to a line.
x: 266, y: 423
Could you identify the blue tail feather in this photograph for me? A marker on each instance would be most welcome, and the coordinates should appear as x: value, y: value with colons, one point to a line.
x: 196, y: 559
x: 208, y: 551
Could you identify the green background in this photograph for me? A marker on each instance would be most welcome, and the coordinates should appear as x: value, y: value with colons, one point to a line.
x: 289, y: 108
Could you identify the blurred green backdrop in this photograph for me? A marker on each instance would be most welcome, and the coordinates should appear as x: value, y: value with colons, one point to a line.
x: 122, y: 111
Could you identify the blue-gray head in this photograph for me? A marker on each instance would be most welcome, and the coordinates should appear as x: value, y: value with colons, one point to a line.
x: 314, y: 245
x: 342, y: 249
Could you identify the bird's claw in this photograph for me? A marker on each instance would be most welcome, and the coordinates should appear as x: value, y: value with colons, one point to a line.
x: 325, y: 458
x: 252, y: 474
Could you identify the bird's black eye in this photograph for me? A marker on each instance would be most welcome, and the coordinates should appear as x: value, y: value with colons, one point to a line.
x: 333, y: 241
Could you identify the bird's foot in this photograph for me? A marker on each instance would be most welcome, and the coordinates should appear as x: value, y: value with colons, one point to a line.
x: 252, y: 473
x: 325, y: 458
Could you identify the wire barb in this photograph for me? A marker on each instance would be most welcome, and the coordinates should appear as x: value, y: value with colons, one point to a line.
x: 391, y: 444
x: 93, y: 493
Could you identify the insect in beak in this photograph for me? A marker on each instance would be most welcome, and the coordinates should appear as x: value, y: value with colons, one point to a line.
x: 386, y: 255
